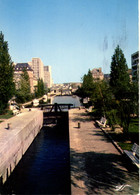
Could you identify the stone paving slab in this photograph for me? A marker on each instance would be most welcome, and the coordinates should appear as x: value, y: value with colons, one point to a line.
x: 96, y: 165
x: 16, y: 121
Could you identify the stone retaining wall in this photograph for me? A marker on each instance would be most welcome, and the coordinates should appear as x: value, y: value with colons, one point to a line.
x: 15, y: 141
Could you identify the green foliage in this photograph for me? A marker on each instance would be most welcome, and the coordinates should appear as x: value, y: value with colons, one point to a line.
x: 134, y: 98
x: 6, y: 75
x: 8, y: 114
x: 119, y: 78
x: 101, y: 97
x: 126, y: 142
x: 124, y: 111
x: 40, y: 91
x: 116, y: 100
x: 87, y: 85
x: 24, y: 94
x: 123, y: 90
x: 112, y: 117
x: 125, y: 146
x: 134, y: 125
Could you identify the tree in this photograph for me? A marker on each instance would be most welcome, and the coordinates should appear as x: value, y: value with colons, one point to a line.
x: 40, y: 88
x: 24, y: 93
x: 87, y: 85
x: 119, y: 78
x: 134, y: 98
x: 121, y: 87
x: 101, y: 98
x: 6, y: 74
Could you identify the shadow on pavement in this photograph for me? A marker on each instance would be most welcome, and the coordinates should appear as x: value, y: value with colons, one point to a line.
x: 101, y: 173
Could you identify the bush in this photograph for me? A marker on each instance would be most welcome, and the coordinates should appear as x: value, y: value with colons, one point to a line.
x: 7, y: 114
x: 112, y: 117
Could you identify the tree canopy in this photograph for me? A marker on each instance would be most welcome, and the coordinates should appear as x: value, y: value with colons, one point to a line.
x: 6, y: 74
x: 119, y: 77
x: 117, y: 99
x: 40, y: 88
x: 87, y: 85
x: 23, y: 94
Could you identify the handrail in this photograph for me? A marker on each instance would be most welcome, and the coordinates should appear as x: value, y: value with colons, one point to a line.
x: 56, y: 107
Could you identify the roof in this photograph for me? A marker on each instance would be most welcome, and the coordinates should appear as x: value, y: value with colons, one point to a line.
x: 21, y: 66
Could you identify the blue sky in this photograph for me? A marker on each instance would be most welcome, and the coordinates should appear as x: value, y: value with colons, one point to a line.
x: 72, y: 36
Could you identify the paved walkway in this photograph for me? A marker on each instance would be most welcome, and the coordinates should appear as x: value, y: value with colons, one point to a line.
x: 96, y: 165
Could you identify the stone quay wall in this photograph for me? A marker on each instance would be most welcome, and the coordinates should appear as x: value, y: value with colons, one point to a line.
x: 16, y: 140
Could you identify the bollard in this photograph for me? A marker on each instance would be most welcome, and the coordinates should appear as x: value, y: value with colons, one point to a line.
x: 8, y: 125
x: 78, y: 125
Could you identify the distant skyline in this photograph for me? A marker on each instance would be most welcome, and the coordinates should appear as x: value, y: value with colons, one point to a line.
x: 72, y: 36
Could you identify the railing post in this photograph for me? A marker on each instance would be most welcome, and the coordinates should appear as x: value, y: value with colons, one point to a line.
x: 55, y: 107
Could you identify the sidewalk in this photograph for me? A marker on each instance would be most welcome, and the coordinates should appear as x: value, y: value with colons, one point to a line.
x: 96, y: 165
x: 22, y: 111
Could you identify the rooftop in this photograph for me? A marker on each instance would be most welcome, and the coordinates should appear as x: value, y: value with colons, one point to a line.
x: 21, y: 66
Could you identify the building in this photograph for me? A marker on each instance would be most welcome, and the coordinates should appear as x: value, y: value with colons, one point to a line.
x: 97, y: 74
x: 65, y: 88
x: 38, y: 68
x: 18, y: 70
x: 107, y: 77
x: 47, y: 76
x: 135, y: 65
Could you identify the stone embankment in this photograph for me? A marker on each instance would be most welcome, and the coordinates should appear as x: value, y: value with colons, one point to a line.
x: 16, y: 135
x: 96, y: 165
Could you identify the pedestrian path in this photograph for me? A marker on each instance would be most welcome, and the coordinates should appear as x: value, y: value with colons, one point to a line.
x: 96, y: 165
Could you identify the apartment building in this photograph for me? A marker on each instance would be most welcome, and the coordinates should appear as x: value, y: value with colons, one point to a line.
x: 47, y: 76
x: 38, y: 68
x: 135, y: 65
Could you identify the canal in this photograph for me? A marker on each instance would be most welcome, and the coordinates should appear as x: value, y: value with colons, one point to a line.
x: 45, y: 167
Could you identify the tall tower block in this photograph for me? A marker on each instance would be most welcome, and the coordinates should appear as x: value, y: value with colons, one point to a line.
x: 38, y: 68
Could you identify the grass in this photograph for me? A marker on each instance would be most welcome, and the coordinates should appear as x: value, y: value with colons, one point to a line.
x: 126, y: 141
x: 134, y: 125
x: 134, y: 130
x: 7, y: 115
x: 125, y: 146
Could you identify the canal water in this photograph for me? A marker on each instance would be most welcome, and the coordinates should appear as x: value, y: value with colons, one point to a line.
x: 67, y: 100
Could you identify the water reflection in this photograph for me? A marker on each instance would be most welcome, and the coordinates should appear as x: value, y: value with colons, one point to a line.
x: 67, y: 100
